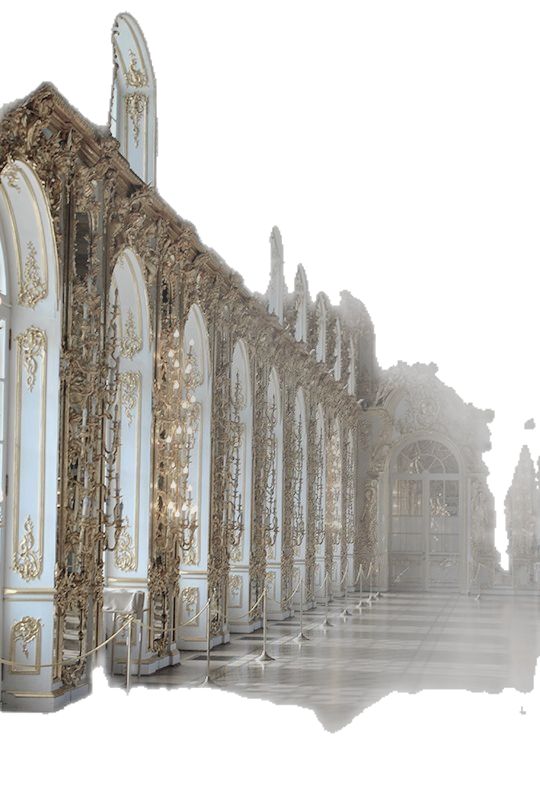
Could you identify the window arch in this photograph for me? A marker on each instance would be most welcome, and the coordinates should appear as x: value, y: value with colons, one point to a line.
x: 29, y: 420
x: 129, y: 300
x: 132, y: 117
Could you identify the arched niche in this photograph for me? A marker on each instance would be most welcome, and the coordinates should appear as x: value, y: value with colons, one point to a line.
x: 337, y: 364
x: 299, y: 518
x: 319, y: 503
x: 274, y: 494
x: 197, y: 352
x: 29, y: 361
x: 194, y: 568
x: 241, y: 406
x: 241, y: 589
x: 128, y: 557
x: 276, y: 289
x: 334, y: 504
x: 302, y: 298
x: 133, y: 119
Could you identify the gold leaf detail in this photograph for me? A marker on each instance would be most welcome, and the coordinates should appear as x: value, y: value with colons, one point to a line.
x: 130, y: 384
x: 25, y: 631
x: 135, y: 108
x: 32, y: 343
x: 26, y: 561
x: 124, y: 555
x: 33, y: 286
x: 131, y: 341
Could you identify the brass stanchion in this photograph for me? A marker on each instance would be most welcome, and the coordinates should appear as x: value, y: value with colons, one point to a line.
x: 361, y: 602
x: 345, y: 612
x: 128, y: 656
x: 207, y: 680
x: 264, y: 656
x: 301, y: 635
x: 326, y: 623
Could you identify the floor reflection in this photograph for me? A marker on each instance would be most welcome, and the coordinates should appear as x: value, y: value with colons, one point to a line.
x: 402, y: 642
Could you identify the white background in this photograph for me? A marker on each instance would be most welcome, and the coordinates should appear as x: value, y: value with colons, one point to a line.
x: 397, y: 147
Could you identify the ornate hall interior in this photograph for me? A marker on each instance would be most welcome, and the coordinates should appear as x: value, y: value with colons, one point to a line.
x: 202, y: 485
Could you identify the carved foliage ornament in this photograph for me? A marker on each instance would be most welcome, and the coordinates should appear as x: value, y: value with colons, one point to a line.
x: 33, y: 286
x: 26, y: 630
x: 27, y: 560
x: 131, y: 343
x: 135, y: 109
x: 32, y: 343
x: 130, y: 382
x: 124, y: 554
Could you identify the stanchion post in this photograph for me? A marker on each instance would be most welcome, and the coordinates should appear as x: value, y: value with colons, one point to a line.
x: 326, y: 623
x: 301, y: 636
x: 345, y: 612
x: 128, y: 656
x: 263, y: 657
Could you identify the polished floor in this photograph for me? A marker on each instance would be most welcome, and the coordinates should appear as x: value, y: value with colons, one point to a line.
x: 402, y: 642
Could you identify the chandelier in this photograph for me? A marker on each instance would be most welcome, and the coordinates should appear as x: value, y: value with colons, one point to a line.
x: 180, y: 428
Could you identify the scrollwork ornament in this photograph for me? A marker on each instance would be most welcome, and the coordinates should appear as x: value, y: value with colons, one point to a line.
x: 33, y: 287
x: 131, y: 343
x: 130, y: 385
x: 27, y: 560
x: 32, y: 343
x: 26, y: 631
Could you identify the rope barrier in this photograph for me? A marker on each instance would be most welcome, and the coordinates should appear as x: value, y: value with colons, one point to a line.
x: 288, y: 599
x: 75, y: 657
x: 257, y: 603
x: 176, y: 627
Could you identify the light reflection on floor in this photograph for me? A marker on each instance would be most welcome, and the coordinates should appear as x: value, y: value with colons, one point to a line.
x: 403, y: 642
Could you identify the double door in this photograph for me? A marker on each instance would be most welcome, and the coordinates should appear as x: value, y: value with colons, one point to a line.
x: 424, y: 541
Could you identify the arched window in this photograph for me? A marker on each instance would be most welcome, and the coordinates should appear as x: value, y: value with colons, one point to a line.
x: 319, y: 503
x: 239, y: 488
x: 29, y: 417
x: 334, y: 517
x: 424, y: 547
x: 197, y: 394
x: 133, y: 118
x: 129, y: 556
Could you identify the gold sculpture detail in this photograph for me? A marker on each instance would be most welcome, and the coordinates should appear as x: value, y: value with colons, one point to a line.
x: 33, y: 287
x: 32, y: 343
x: 131, y: 343
x: 26, y: 631
x: 27, y: 560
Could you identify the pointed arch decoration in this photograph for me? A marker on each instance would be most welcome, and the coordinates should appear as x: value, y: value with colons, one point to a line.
x: 29, y: 419
x: 273, y: 496
x: 319, y: 504
x: 193, y: 588
x: 129, y: 554
x: 133, y: 117
x: 299, y: 464
x: 240, y: 474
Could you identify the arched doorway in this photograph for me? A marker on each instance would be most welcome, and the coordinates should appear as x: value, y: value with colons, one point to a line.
x: 425, y: 510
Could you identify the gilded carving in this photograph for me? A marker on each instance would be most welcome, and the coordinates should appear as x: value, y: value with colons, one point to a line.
x: 135, y: 109
x: 125, y: 552
x: 135, y: 76
x: 25, y: 631
x: 27, y: 560
x: 32, y: 343
x: 33, y: 286
x: 131, y: 343
x: 130, y: 386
